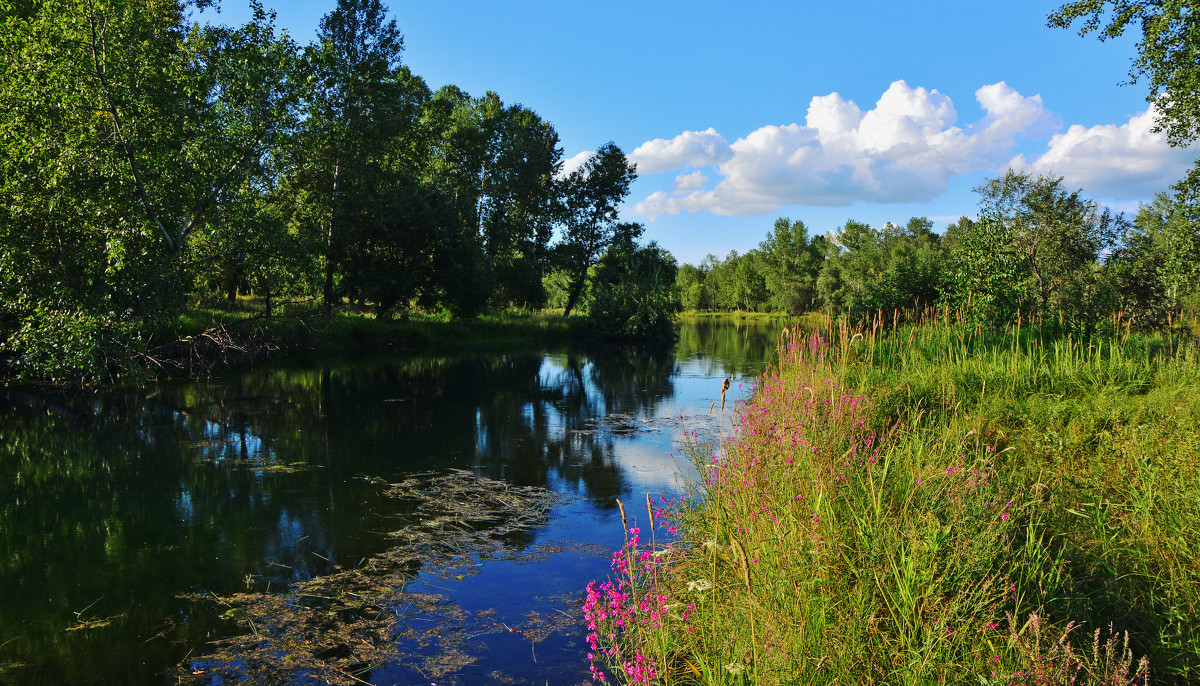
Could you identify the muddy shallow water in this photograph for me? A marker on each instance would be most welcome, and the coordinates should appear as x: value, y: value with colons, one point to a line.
x: 421, y: 517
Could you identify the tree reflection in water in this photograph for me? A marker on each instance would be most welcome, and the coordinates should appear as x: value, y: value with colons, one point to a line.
x: 114, y: 504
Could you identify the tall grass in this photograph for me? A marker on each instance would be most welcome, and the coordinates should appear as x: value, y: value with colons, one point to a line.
x: 929, y: 504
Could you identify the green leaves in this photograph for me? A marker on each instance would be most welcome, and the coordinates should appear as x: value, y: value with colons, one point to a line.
x: 1034, y: 244
x: 591, y: 196
x: 1168, y: 57
x: 633, y: 291
x: 791, y: 263
x: 124, y: 134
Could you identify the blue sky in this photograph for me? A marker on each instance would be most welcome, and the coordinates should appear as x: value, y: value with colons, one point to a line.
x: 738, y: 113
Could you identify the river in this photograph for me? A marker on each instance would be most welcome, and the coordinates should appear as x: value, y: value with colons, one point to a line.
x: 141, y: 529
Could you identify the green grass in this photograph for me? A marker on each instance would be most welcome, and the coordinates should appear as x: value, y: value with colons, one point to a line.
x: 930, y: 504
x: 690, y: 315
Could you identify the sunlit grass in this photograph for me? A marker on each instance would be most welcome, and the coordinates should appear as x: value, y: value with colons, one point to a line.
x: 929, y: 504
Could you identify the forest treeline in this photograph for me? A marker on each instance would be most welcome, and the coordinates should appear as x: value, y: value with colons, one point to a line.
x: 151, y: 161
x: 1037, y: 250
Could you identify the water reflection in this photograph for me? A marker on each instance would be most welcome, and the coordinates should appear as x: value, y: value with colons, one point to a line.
x: 114, y: 504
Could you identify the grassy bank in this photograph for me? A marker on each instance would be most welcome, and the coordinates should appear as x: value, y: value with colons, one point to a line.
x: 204, y: 339
x: 929, y: 505
x: 806, y: 320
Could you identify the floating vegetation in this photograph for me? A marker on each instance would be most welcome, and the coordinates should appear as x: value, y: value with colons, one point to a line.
x: 619, y: 424
x: 566, y: 616
x: 257, y: 463
x: 6, y: 667
x: 94, y: 623
x: 261, y: 465
x: 340, y: 627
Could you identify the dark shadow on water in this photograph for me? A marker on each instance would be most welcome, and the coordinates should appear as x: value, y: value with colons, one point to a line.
x: 118, y: 508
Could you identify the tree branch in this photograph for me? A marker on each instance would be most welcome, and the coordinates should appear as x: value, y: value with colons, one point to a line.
x: 99, y: 59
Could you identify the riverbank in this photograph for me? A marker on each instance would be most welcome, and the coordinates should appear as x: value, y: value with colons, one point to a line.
x: 208, y: 339
x: 807, y: 320
x: 205, y: 340
x: 933, y: 505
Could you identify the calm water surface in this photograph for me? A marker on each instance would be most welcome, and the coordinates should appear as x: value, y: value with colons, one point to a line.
x: 117, y: 510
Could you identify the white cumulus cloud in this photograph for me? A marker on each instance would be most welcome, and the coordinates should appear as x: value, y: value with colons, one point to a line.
x: 688, y: 149
x: 573, y: 163
x: 690, y: 182
x: 1126, y: 162
x: 905, y: 149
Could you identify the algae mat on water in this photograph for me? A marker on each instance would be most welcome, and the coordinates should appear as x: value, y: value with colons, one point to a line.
x: 340, y: 627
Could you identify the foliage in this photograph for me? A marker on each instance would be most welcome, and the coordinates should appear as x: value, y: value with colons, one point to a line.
x: 148, y: 161
x: 590, y: 199
x: 987, y: 276
x: 914, y: 276
x: 1159, y: 263
x: 1034, y: 252
x: 690, y: 287
x: 633, y: 294
x: 126, y: 134
x: 1168, y: 55
x: 791, y: 262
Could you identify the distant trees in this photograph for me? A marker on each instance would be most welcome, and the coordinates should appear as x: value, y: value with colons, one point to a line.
x: 1037, y: 251
x: 791, y: 262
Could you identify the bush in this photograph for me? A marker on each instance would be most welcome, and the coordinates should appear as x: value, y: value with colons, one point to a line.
x: 633, y: 294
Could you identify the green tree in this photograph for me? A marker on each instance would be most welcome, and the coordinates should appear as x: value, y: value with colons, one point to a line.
x: 1157, y: 267
x: 913, y: 276
x: 516, y: 204
x: 1035, y: 244
x: 791, y: 263
x: 987, y: 275
x: 691, y: 289
x: 1168, y: 56
x: 633, y: 292
x: 125, y: 133
x: 357, y: 101
x: 855, y: 257
x: 1057, y: 233
x: 591, y: 196
x: 499, y: 163
x: 738, y: 281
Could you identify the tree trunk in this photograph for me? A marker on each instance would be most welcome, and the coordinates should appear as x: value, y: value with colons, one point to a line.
x: 573, y: 297
x: 327, y: 289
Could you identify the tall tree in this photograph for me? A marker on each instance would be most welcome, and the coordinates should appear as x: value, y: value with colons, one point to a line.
x: 356, y: 92
x: 1057, y: 233
x: 499, y: 163
x: 1157, y: 267
x: 517, y: 204
x: 791, y: 263
x: 591, y: 196
x: 855, y: 257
